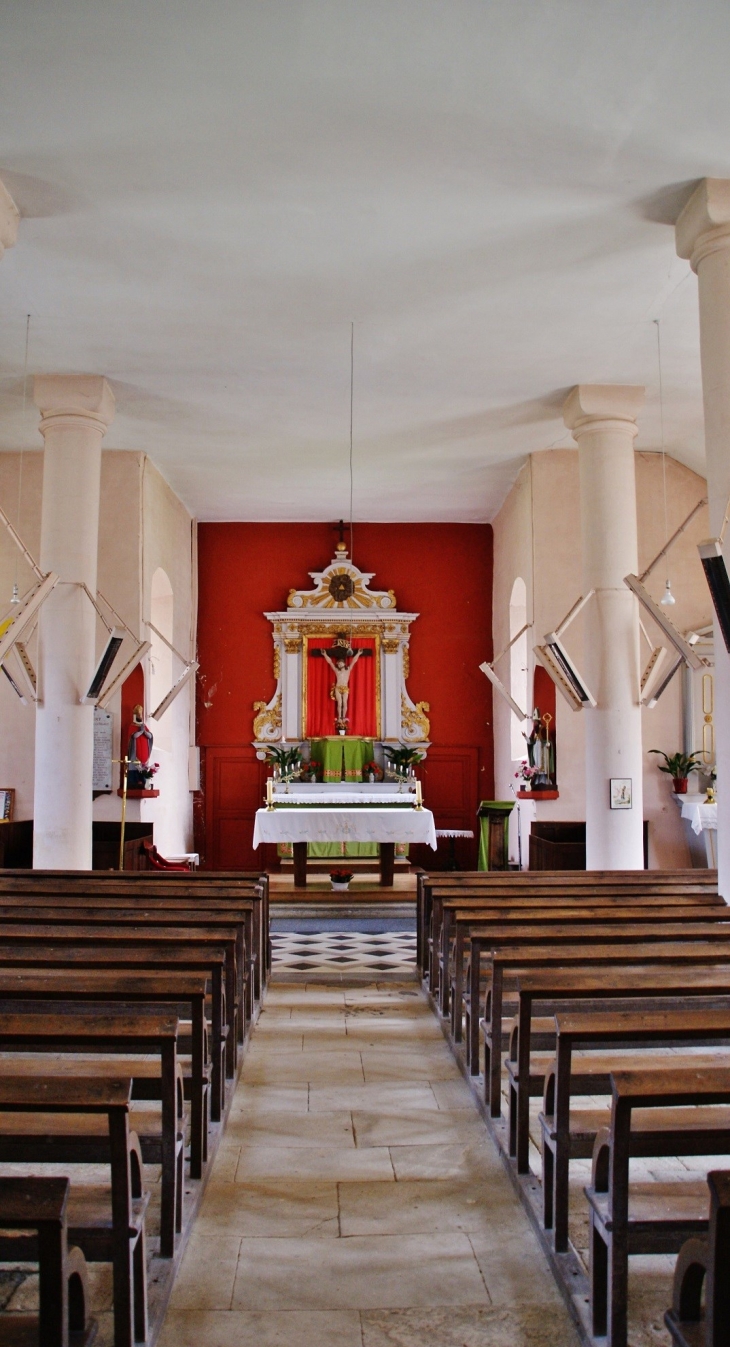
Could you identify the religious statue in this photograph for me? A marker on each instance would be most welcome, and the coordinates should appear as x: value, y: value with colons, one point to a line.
x: 342, y: 670
x: 139, y: 749
x: 540, y: 751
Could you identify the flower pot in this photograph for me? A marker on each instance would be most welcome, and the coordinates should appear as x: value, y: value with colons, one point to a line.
x: 339, y: 888
x: 680, y: 784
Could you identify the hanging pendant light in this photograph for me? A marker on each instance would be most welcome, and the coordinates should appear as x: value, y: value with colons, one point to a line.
x: 667, y: 598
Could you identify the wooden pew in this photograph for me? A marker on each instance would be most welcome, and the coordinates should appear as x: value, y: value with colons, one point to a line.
x: 567, y: 1136
x: 592, y: 927
x: 541, y: 955
x: 101, y: 1030
x: 146, y: 886
x: 485, y: 935
x: 40, y: 1205
x: 107, y: 1225
x: 111, y: 987
x: 62, y: 952
x: 458, y: 884
x: 154, y: 911
x: 564, y: 986
x: 97, y: 932
x: 460, y: 922
x: 586, y: 895
x: 622, y: 1225
x: 704, y: 1263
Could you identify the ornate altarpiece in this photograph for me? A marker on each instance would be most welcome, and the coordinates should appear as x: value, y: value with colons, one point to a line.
x: 341, y: 601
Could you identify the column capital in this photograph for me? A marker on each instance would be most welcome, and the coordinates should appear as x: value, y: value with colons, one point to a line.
x: 73, y: 398
x: 703, y: 225
x: 592, y: 407
x: 9, y: 219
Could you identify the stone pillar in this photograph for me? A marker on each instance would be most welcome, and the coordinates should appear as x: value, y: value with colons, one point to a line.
x: 75, y: 413
x: 602, y: 418
x: 703, y: 236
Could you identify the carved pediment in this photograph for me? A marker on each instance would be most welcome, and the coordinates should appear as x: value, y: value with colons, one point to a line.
x: 341, y: 585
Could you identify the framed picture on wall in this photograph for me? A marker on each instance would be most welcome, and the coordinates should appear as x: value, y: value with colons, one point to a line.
x: 621, y: 792
x: 7, y: 804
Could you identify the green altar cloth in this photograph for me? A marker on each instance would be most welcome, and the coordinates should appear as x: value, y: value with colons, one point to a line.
x: 341, y: 757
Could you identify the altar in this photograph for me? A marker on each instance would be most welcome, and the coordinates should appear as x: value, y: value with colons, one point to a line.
x: 384, y: 812
x: 341, y: 661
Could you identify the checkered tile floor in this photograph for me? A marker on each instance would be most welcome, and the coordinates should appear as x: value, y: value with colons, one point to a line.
x: 342, y: 952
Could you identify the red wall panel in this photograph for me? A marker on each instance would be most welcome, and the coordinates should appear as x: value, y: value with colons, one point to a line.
x: 441, y: 571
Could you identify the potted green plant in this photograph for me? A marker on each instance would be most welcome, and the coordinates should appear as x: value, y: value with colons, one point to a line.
x: 678, y: 767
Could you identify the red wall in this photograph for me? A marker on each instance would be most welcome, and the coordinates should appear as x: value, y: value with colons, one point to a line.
x: 441, y: 571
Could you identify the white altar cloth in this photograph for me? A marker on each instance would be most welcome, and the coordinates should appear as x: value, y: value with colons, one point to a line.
x: 362, y: 824
x: 701, y: 816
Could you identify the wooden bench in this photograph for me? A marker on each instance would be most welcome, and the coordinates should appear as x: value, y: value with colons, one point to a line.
x: 691, y: 882
x: 704, y: 1263
x: 99, y: 1029
x: 596, y: 928
x: 544, y: 956
x: 157, y: 940
x: 623, y: 1223
x: 482, y: 940
x: 623, y: 896
x: 230, y: 924
x: 183, y: 979
x: 192, y: 894
x: 108, y: 1224
x: 138, y: 990
x: 554, y: 990
x: 566, y: 1135
x: 461, y: 924
x: 40, y: 1205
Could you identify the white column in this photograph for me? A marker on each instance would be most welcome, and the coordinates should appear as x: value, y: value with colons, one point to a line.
x: 703, y: 236
x: 602, y: 418
x: 75, y: 413
x: 9, y: 219
x: 291, y: 688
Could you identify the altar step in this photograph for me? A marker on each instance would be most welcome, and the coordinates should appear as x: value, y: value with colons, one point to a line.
x: 344, y: 915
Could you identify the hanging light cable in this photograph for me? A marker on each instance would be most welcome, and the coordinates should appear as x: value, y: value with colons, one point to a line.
x: 667, y: 600
x: 15, y: 598
x: 352, y: 395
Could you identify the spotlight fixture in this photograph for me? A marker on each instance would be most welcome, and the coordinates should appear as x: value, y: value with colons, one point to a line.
x: 681, y: 644
x: 103, y: 668
x: 501, y: 689
x: 555, y: 659
x: 651, y: 701
x: 16, y: 689
x: 497, y: 683
x: 25, y: 611
x: 132, y: 662
x: 178, y: 686
x: 650, y: 676
x: 713, y: 564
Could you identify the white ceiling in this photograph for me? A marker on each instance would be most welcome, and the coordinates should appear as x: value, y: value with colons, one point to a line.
x: 212, y: 192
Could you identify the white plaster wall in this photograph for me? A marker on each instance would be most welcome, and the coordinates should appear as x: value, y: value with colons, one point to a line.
x: 542, y: 512
x: 142, y: 525
x: 17, y: 722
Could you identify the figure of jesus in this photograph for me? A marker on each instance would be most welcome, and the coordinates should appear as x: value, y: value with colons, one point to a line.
x: 341, y: 689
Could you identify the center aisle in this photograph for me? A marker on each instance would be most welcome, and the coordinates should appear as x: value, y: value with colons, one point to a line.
x: 356, y: 1200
